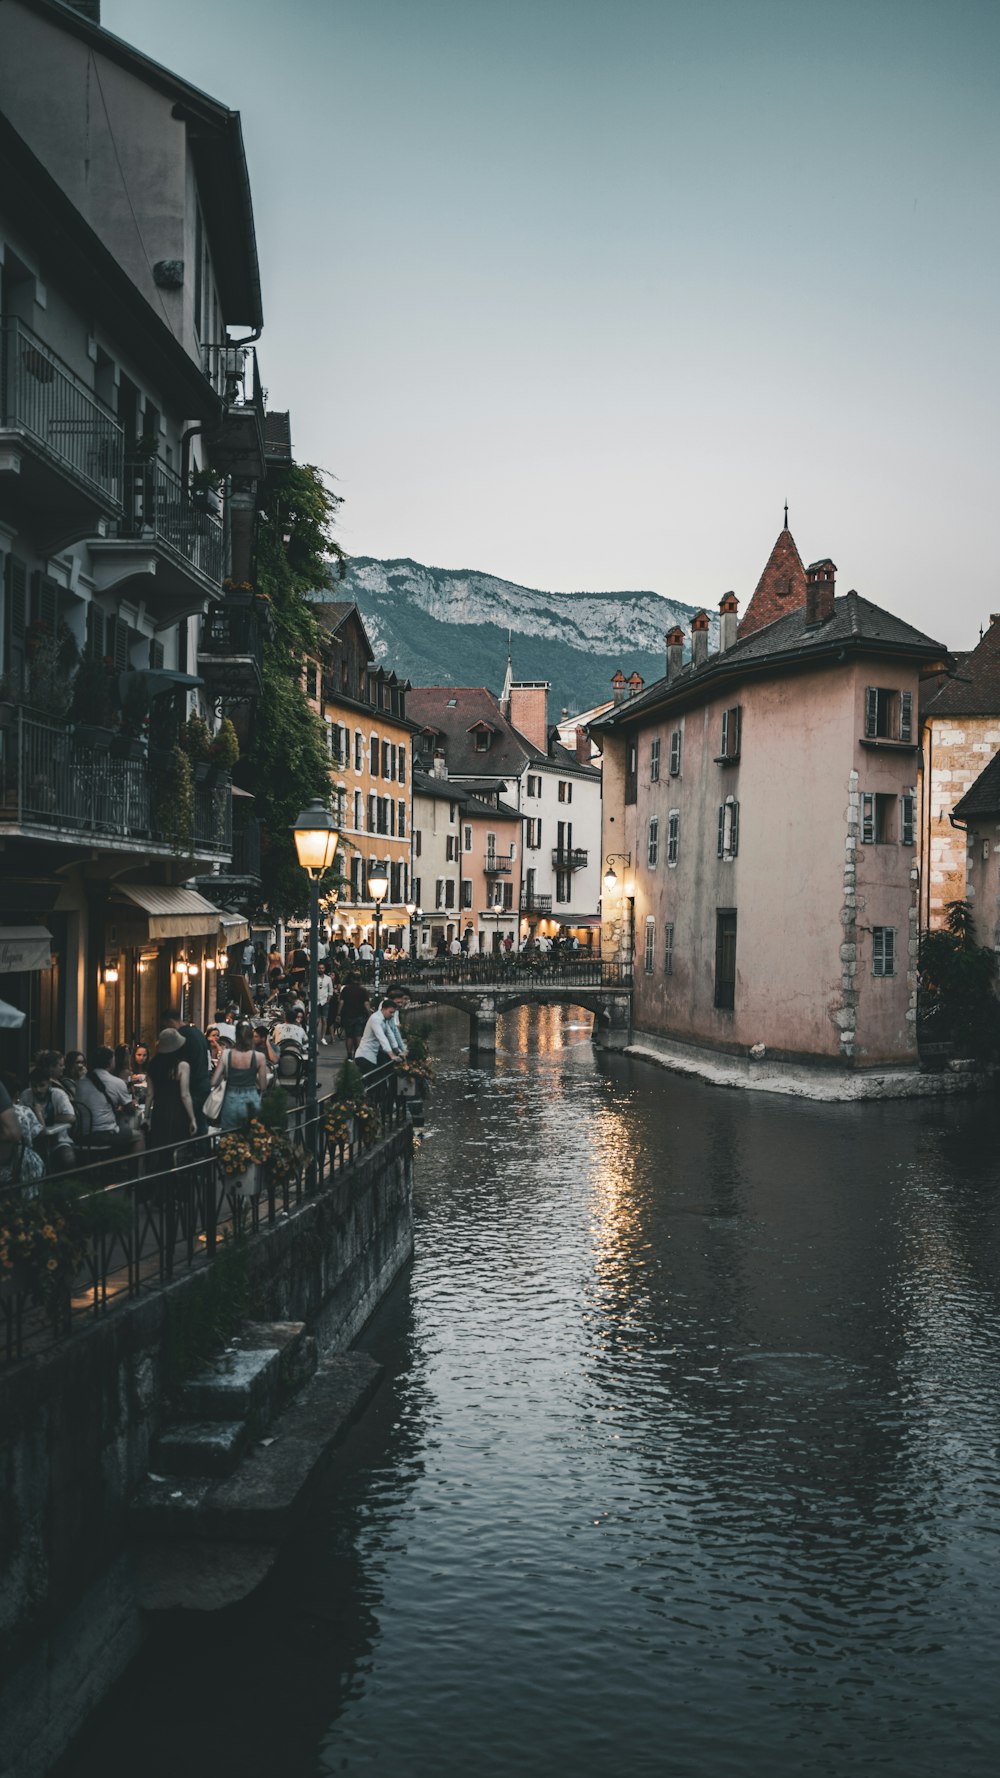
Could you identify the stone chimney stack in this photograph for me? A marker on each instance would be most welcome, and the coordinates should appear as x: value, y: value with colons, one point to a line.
x: 675, y: 651
x: 618, y: 687
x: 529, y: 711
x: 583, y: 747
x: 699, y: 639
x: 821, y: 585
x: 729, y: 606
x: 634, y: 684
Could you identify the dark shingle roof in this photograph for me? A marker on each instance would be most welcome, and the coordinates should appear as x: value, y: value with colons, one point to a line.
x: 452, y: 710
x: 982, y: 797
x: 974, y: 689
x: 855, y: 624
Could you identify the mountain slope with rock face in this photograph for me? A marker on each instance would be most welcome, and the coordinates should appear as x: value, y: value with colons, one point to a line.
x: 441, y: 626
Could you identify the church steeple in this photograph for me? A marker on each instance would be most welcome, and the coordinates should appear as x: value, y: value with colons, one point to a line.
x: 780, y: 589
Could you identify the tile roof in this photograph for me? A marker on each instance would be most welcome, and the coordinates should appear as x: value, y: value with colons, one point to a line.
x: 452, y: 710
x: 855, y: 623
x: 278, y: 436
x: 982, y: 797
x: 973, y: 689
x: 780, y: 589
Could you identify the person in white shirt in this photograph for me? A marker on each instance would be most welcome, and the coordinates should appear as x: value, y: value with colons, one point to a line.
x: 365, y: 952
x: 106, y: 1097
x: 324, y: 996
x: 378, y: 1045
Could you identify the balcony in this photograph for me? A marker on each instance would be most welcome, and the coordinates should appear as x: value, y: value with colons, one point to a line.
x: 236, y: 446
x: 166, y: 541
x: 56, y: 785
x: 568, y: 858
x: 535, y: 904
x: 61, y: 453
x: 496, y: 865
x: 231, y: 651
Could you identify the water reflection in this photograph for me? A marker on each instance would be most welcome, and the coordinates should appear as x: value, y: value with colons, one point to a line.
x: 685, y: 1463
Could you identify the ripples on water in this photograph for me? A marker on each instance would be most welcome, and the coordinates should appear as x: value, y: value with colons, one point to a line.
x: 686, y: 1461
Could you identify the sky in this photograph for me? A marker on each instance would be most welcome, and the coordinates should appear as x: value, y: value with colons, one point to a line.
x: 579, y: 293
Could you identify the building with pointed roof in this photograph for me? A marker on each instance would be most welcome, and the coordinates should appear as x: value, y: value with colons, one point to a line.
x: 760, y: 808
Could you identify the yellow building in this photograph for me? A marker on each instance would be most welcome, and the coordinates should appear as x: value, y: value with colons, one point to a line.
x: 364, y: 708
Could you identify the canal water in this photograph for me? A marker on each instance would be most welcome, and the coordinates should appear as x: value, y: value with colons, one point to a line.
x: 686, y: 1460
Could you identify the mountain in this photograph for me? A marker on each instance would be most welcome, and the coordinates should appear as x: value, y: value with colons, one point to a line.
x: 444, y: 626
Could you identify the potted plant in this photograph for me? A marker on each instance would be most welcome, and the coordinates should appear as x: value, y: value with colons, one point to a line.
x: 225, y: 747
x: 173, y: 802
x: 242, y: 1155
x: 197, y: 743
x: 44, y: 1239
x: 206, y: 491
x: 93, y: 706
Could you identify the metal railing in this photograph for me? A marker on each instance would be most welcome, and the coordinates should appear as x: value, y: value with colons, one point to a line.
x: 41, y: 396
x: 498, y: 865
x: 565, y: 968
x: 156, y: 501
x: 228, y: 631
x: 569, y: 858
x: 182, y: 1207
x: 51, y: 777
x: 535, y: 904
x: 233, y: 374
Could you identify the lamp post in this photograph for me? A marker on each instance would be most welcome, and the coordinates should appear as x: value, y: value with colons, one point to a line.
x: 316, y: 839
x: 378, y: 884
x: 611, y: 882
x: 411, y: 914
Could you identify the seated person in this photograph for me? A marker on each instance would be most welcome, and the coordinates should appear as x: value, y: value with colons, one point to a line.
x: 19, y: 1162
x: 54, y: 1111
x: 107, y: 1100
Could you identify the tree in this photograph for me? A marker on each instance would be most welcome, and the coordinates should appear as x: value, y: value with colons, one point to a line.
x: 288, y: 754
x: 958, y: 1002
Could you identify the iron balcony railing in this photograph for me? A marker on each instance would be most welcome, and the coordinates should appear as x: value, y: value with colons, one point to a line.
x: 568, y: 858
x: 535, y: 904
x: 497, y: 865
x: 246, y: 849
x: 569, y: 969
x: 41, y: 396
x: 55, y: 779
x: 233, y: 374
x: 231, y: 631
x: 156, y: 501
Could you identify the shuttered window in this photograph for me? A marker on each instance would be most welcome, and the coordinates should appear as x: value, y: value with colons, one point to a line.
x: 907, y: 824
x: 15, y: 618
x: 673, y: 836
x: 650, y: 950
x: 668, y: 948
x: 675, y: 753
x: 654, y: 760
x: 883, y: 950
x: 732, y: 723
x: 653, y: 846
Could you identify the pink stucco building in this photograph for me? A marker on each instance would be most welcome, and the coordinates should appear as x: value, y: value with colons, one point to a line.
x: 761, y: 807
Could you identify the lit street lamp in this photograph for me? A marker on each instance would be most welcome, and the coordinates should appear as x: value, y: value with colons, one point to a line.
x: 378, y: 884
x: 412, y: 911
x: 316, y: 839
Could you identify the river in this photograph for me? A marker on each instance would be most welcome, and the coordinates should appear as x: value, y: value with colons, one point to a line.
x: 685, y: 1462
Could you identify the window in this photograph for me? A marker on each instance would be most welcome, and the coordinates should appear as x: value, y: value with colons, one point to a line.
x: 355, y: 878
x: 467, y: 841
x: 439, y: 893
x: 725, y: 959
x: 883, y: 950
x: 415, y: 887
x: 491, y: 845
x: 673, y: 836
x: 482, y: 740
x: 467, y: 892
x: 653, y: 844
x: 387, y: 759
x: 654, y: 760
x: 534, y: 835
x: 451, y: 848
x: 732, y: 724
x: 565, y: 791
x: 650, y: 951
x: 401, y: 819
x: 729, y: 828
x: 563, y: 880
x: 401, y: 765
x: 372, y: 806
x: 631, y: 771
x: 888, y: 714
x: 668, y: 948
x: 675, y: 753
x: 359, y: 750
x: 417, y: 839
x: 878, y: 820
x: 374, y: 756
x: 508, y: 897
x: 534, y: 784
x: 449, y: 892
x: 359, y: 811
x: 907, y: 818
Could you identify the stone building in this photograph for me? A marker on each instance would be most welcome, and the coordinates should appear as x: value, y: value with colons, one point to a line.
x: 760, y: 807
x: 960, y: 732
x: 977, y: 829
x: 130, y: 447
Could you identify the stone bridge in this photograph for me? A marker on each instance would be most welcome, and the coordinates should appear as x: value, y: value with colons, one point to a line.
x: 483, y: 989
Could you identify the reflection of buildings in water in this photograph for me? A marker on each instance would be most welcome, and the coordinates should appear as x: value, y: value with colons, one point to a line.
x: 531, y: 1031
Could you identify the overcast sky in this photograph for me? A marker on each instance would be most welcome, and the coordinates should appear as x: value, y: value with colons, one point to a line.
x: 577, y: 292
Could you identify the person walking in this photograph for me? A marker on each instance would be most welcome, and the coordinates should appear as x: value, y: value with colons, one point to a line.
x: 354, y: 1010
x: 244, y: 1070
x: 169, y: 1102
x: 324, y: 996
x: 199, y: 1063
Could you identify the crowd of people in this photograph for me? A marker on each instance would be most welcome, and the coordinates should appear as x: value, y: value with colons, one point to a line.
x: 118, y: 1102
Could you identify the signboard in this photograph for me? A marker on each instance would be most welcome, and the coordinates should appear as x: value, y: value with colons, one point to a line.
x: 24, y: 947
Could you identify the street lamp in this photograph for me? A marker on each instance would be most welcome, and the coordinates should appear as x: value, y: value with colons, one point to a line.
x: 610, y: 879
x: 411, y: 914
x: 316, y: 839
x: 378, y: 884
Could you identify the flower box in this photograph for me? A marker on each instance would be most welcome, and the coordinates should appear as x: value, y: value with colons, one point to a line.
x: 249, y: 1183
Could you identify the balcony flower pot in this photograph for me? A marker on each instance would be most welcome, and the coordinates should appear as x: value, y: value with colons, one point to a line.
x: 206, y: 775
x: 249, y: 1183
x: 207, y: 500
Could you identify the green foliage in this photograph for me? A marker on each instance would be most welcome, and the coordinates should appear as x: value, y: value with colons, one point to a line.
x: 289, y: 759
x: 202, y: 1316
x: 274, y: 1106
x: 958, y: 1002
x: 174, y: 801
x: 45, y: 1238
x: 197, y: 739
x: 226, y: 746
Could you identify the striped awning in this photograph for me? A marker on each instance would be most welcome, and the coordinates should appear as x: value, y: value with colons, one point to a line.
x: 172, y: 912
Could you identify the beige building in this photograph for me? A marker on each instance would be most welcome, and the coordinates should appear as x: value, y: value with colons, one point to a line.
x: 761, y: 807
x: 960, y: 733
x: 466, y: 867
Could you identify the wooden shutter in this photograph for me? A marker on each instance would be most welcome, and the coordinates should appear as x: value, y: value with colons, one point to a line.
x: 734, y: 829
x: 675, y: 753
x: 371, y: 813
x: 725, y: 734
x: 95, y: 633
x: 871, y: 710
x: 735, y: 725
x: 721, y: 843
x: 906, y: 716
x: 155, y: 654
x: 45, y: 601
x: 907, y: 822
x: 15, y: 618
x: 867, y: 820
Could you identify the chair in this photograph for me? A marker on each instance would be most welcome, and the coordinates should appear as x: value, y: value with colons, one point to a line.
x: 290, y: 1073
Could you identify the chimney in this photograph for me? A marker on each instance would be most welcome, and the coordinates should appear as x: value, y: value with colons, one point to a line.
x: 699, y: 639
x: 529, y: 711
x: 634, y: 684
x: 729, y: 606
x: 675, y: 651
x: 583, y: 748
x: 821, y: 582
x: 618, y: 686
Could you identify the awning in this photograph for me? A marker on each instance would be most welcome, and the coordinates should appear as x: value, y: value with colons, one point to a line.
x: 24, y: 947
x: 173, y: 913
x: 155, y: 681
x: 235, y: 930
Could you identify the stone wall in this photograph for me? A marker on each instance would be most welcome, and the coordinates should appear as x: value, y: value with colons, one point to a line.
x: 955, y: 750
x: 75, y: 1429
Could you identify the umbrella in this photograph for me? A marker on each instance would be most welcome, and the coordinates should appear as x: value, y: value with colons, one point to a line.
x: 11, y: 1019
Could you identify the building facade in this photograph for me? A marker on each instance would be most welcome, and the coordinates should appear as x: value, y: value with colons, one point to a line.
x: 959, y: 734
x: 466, y: 866
x: 760, y: 811
x: 130, y: 445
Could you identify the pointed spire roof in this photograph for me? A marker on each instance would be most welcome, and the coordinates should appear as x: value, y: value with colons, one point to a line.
x: 780, y: 589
